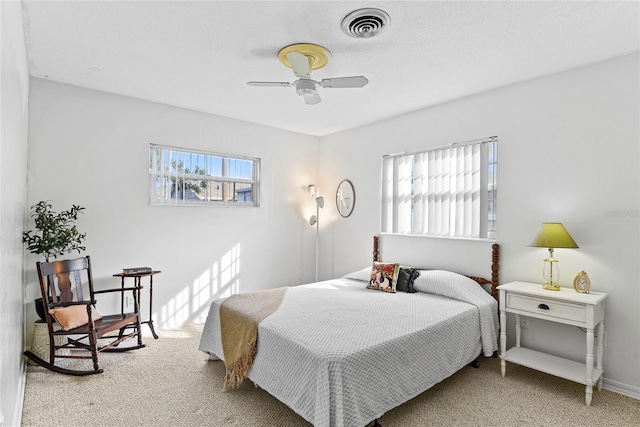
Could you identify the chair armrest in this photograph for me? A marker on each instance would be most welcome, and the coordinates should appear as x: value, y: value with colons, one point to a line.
x: 104, y: 291
x: 69, y: 303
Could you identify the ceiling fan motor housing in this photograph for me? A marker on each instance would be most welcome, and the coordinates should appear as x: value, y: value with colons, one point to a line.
x: 306, y: 87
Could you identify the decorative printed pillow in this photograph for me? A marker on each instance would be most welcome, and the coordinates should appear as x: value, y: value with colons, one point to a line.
x: 406, y: 277
x: 384, y: 277
x: 73, y: 316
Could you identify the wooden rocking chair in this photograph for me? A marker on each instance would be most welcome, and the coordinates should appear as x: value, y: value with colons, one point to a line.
x: 75, y: 318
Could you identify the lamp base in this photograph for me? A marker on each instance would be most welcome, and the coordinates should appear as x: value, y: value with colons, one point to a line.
x: 550, y: 287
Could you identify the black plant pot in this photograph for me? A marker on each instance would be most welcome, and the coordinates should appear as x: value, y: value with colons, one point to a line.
x: 40, y: 308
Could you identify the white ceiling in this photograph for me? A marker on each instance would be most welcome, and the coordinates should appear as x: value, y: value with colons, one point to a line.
x: 199, y: 55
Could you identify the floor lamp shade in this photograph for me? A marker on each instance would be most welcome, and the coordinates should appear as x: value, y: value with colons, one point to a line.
x: 552, y: 235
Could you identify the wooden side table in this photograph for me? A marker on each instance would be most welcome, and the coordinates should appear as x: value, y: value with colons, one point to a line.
x: 564, y: 306
x: 137, y: 282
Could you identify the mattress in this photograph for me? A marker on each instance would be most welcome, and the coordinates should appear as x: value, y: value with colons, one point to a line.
x: 339, y: 354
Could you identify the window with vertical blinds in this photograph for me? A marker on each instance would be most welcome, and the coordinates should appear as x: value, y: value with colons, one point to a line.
x: 182, y: 177
x: 447, y: 191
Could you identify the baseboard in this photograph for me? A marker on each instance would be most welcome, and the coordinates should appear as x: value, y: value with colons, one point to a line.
x: 620, y: 388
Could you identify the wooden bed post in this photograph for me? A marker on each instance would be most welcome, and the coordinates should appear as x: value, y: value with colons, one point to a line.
x: 495, y: 268
x: 376, y: 248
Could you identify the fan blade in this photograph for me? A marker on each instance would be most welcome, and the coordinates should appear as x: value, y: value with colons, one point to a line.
x: 312, y: 99
x: 269, y: 84
x: 344, y: 82
x: 300, y: 64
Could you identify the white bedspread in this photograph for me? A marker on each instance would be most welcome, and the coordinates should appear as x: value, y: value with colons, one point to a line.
x: 342, y: 355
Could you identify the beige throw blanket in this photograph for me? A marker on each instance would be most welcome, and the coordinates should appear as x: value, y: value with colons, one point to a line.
x: 240, y: 315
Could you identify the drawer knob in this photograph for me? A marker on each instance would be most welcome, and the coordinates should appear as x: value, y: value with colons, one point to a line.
x: 543, y: 306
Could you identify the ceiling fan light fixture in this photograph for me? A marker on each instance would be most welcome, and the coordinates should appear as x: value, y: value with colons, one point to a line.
x: 365, y: 23
x: 306, y: 87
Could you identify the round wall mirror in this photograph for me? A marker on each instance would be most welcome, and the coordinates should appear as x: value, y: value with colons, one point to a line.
x: 345, y: 198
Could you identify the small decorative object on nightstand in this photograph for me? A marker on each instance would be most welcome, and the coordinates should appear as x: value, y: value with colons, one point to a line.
x: 582, y: 283
x: 552, y: 235
x: 570, y: 308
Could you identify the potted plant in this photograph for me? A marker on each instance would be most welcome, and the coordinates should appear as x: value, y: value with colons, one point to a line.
x: 55, y: 234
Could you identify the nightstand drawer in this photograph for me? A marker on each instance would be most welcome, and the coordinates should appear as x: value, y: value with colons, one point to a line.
x: 546, y: 307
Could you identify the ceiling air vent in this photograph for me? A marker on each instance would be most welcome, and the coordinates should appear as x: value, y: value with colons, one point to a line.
x: 365, y: 23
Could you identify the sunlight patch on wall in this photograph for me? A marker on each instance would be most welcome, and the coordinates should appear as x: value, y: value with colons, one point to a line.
x: 191, y: 304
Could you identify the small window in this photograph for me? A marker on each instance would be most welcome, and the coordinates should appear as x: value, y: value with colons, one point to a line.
x: 447, y: 191
x: 182, y: 177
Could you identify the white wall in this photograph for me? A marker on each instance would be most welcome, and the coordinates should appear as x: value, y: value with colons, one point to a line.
x: 14, y: 92
x: 568, y: 152
x: 91, y: 148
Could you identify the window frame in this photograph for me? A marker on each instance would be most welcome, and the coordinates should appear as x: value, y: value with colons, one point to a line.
x: 180, y: 199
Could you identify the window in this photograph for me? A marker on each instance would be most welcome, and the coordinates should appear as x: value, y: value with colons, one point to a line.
x: 195, y: 178
x: 447, y: 191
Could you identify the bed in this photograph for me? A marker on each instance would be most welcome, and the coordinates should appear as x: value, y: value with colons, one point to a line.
x: 340, y: 354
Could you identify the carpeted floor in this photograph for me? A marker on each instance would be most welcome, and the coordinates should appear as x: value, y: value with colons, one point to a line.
x: 170, y: 383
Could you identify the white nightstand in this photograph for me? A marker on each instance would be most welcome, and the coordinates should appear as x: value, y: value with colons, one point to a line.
x: 563, y: 306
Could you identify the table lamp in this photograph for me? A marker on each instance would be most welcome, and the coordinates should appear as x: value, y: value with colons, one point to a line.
x: 552, y: 235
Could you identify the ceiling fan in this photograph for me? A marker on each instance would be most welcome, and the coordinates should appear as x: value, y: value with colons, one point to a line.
x: 302, y: 58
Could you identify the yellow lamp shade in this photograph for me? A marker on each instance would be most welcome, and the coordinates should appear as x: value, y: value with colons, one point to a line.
x: 553, y: 235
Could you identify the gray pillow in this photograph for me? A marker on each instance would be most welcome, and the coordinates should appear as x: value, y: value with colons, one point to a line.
x: 406, y: 277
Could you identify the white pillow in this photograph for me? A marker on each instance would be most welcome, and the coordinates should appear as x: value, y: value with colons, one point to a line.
x: 450, y: 284
x: 457, y: 286
x: 363, y: 275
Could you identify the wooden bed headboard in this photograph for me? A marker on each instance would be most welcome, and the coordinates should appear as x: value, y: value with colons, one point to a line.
x: 495, y: 266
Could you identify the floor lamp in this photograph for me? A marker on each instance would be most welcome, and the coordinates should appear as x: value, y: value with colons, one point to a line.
x: 315, y: 220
